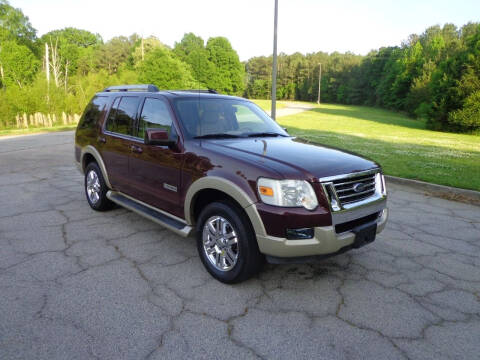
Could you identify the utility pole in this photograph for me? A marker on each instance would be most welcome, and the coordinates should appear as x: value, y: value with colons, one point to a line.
x: 274, y: 65
x: 319, y: 81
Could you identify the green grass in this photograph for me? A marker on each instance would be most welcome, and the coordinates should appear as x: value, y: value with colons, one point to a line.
x: 403, y: 146
x: 267, y: 104
x: 37, y: 130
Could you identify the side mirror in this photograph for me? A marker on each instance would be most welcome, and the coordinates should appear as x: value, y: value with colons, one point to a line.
x: 158, y: 137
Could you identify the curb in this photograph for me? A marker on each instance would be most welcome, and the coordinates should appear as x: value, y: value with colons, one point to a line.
x: 441, y: 191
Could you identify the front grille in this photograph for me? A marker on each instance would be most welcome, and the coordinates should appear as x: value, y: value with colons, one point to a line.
x: 354, y: 189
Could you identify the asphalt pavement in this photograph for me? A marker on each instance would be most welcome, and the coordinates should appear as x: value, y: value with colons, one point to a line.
x: 77, y: 284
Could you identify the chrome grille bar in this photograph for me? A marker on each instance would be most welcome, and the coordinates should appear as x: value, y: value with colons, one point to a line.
x: 356, y: 194
x: 349, y: 189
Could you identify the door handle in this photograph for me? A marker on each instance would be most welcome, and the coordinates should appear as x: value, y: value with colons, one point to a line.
x: 101, y: 139
x: 136, y: 149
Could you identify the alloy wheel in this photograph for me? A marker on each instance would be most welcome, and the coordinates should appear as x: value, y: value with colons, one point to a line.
x: 93, y: 187
x: 220, y: 243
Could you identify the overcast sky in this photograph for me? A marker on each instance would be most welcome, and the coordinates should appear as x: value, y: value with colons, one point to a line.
x: 304, y: 25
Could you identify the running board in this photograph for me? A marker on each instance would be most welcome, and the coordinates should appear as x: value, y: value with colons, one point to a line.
x: 160, y: 217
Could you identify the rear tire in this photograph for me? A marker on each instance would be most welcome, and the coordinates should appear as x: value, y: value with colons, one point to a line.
x: 227, y: 244
x: 96, y: 189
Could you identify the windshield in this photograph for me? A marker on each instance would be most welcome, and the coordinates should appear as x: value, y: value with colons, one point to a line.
x: 217, y: 117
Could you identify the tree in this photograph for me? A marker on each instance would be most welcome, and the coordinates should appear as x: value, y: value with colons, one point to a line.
x: 16, y: 25
x: 69, y: 47
x: 113, y: 53
x: 18, y: 64
x: 229, y: 71
x: 189, y: 43
x: 161, y: 68
x: 144, y: 46
x: 191, y: 49
x: 468, y: 117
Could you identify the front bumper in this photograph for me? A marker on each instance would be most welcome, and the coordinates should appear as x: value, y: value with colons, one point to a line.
x: 325, y: 240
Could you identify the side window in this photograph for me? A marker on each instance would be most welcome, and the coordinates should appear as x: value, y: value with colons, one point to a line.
x: 93, y: 111
x: 110, y: 126
x: 122, y: 115
x: 155, y: 114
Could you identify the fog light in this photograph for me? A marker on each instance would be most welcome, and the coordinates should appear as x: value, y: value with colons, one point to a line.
x: 300, y: 234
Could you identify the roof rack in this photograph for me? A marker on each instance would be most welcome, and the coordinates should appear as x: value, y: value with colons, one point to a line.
x: 206, y: 91
x: 140, y: 87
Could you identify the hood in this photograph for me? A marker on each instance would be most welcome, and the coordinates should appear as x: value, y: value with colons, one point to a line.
x: 292, y: 157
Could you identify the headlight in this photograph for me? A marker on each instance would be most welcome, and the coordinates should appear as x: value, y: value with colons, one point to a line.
x: 289, y: 193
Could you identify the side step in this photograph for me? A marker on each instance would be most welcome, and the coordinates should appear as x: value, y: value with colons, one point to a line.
x: 160, y: 217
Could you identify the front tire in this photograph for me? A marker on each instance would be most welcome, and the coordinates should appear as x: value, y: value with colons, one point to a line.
x: 96, y: 189
x: 227, y: 244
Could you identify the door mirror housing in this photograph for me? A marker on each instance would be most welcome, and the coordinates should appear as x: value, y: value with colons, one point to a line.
x: 158, y: 137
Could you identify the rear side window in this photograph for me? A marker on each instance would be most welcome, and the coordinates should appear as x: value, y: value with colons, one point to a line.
x: 122, y: 115
x: 155, y: 114
x: 93, y: 111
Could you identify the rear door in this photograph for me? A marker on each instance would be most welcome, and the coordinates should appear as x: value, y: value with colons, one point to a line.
x: 155, y: 169
x: 115, y: 144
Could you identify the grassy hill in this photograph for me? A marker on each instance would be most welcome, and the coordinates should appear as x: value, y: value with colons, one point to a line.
x: 403, y: 146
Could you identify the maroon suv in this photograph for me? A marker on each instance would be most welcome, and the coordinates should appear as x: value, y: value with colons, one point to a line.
x: 218, y: 167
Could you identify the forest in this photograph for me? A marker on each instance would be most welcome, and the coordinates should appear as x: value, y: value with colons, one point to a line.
x: 434, y: 75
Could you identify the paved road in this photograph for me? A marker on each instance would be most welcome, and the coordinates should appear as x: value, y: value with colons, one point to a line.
x: 75, y: 284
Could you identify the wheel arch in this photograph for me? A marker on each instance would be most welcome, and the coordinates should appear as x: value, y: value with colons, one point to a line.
x: 90, y: 152
x: 231, y: 191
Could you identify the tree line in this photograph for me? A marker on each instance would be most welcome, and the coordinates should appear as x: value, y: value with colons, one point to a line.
x: 433, y: 76
x: 60, y: 71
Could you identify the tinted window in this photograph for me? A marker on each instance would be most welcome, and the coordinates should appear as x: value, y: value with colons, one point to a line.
x: 111, y: 116
x: 93, y: 111
x: 122, y: 115
x: 155, y: 114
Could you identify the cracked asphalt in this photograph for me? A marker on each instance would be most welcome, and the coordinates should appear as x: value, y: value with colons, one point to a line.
x: 76, y: 284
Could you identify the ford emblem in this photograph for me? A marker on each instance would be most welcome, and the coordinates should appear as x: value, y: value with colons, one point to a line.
x: 359, y: 187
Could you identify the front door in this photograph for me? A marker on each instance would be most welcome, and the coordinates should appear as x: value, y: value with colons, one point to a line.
x: 115, y: 144
x: 155, y: 169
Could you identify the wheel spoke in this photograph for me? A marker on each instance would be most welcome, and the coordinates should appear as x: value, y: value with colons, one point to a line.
x: 231, y: 239
x: 224, y: 228
x: 230, y: 256
x: 218, y: 226
x: 210, y: 242
x: 211, y: 229
x: 210, y: 250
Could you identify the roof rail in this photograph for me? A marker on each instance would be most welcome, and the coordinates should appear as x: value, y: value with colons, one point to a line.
x: 207, y: 91
x: 140, y: 87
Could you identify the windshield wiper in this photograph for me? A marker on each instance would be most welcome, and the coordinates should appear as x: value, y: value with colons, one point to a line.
x: 265, y: 134
x: 216, y: 136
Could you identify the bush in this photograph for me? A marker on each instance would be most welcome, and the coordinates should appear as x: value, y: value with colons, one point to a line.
x: 467, y: 118
x: 423, y: 111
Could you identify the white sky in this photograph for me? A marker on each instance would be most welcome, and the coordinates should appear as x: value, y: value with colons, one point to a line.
x: 304, y: 25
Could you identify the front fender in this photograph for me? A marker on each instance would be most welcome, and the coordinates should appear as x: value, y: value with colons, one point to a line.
x: 229, y: 188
